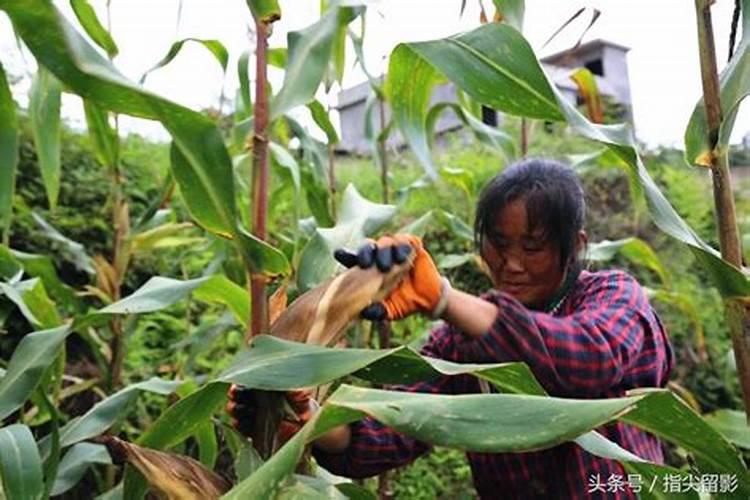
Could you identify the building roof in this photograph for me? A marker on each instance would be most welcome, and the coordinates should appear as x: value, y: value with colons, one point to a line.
x: 589, y: 46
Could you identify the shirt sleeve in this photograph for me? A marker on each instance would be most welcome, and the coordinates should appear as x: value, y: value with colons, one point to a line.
x: 584, y: 354
x: 375, y: 448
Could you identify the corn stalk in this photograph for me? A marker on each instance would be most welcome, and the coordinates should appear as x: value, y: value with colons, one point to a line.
x: 737, y: 310
x: 263, y: 21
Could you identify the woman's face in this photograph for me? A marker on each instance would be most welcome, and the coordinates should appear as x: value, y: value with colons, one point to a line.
x: 522, y: 262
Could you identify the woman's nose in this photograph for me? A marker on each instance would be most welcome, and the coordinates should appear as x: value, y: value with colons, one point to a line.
x: 513, y: 263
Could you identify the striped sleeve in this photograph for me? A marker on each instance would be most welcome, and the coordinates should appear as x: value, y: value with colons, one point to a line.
x: 375, y: 448
x: 584, y: 354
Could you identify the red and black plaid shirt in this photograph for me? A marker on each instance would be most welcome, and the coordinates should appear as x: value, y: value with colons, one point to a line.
x: 604, y: 340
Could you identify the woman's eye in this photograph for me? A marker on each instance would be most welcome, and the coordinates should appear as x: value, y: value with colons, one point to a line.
x: 533, y: 246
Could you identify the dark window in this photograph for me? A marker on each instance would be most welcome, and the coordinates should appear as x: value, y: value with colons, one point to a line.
x: 595, y: 66
x: 489, y: 116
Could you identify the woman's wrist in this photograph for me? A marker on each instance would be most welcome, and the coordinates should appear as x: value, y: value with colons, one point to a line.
x: 334, y: 441
x: 468, y: 313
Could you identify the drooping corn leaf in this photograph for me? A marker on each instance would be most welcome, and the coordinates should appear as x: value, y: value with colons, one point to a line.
x: 94, y: 29
x: 8, y: 152
x: 106, y: 412
x: 310, y: 51
x: 158, y: 292
x: 73, y: 249
x: 490, y: 423
x: 496, y: 66
x: 76, y: 462
x: 734, y: 82
x: 34, y: 354
x: 203, y: 168
x: 44, y: 114
x: 32, y: 300
x: 321, y: 118
x: 217, y: 49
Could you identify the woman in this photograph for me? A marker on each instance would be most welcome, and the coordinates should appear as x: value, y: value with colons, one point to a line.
x: 583, y: 334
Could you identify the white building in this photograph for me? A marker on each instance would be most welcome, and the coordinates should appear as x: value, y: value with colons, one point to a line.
x: 606, y: 60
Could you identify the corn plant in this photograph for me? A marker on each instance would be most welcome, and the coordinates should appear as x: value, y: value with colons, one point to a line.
x: 50, y: 460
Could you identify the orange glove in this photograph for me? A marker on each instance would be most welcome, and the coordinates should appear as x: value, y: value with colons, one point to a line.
x: 422, y: 290
x: 242, y: 407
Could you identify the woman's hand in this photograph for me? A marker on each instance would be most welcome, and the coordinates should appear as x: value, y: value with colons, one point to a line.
x: 422, y: 290
x: 243, y: 404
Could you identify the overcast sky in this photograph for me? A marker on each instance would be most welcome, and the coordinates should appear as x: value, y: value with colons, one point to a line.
x: 663, y: 60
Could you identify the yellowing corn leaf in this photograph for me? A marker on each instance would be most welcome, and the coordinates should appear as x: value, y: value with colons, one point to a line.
x: 174, y: 477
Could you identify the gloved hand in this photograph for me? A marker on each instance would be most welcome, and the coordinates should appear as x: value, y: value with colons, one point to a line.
x: 242, y: 406
x: 422, y: 290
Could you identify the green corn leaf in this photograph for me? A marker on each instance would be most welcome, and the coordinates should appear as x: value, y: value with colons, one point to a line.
x: 157, y: 293
x: 245, y: 104
x: 220, y: 289
x: 160, y: 237
x: 276, y: 365
x: 8, y: 153
x: 20, y: 464
x: 321, y: 118
x: 512, y: 12
x: 98, y: 33
x: 76, y: 462
x: 635, y: 250
x: 38, y: 266
x: 208, y: 446
x: 216, y: 48
x: 44, y: 114
x: 102, y: 134
x: 205, y: 176
x: 106, y: 412
x: 209, y: 202
x: 489, y: 423
x: 310, y: 51
x: 734, y: 82
x: 73, y: 249
x: 277, y: 57
x: 266, y: 11
x: 669, y: 418
x: 496, y: 66
x: 732, y: 424
x: 35, y: 353
x: 486, y: 134
x: 357, y: 219
x: 284, y: 159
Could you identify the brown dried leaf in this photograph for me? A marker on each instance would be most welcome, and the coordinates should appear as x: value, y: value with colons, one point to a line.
x: 277, y: 304
x: 106, y: 276
x: 176, y: 477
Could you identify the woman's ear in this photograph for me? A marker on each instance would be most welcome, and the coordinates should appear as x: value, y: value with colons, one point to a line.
x: 582, y: 239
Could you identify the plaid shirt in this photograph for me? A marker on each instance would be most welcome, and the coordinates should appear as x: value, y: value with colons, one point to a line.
x: 604, y: 340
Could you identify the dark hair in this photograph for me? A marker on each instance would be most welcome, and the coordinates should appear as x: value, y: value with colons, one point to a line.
x: 554, y: 202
